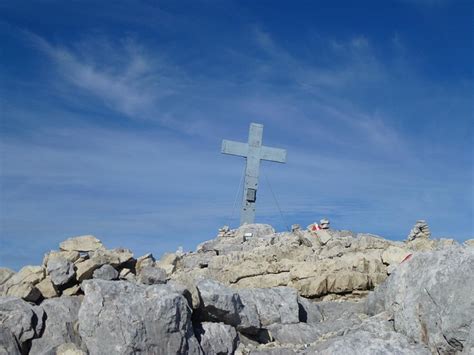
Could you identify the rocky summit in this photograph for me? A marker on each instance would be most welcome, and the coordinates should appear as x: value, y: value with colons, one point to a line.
x: 248, y: 291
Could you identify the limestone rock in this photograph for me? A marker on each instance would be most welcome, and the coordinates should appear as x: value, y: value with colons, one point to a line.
x: 217, y: 338
x: 145, y: 260
x: 69, y: 349
x: 60, y: 270
x: 26, y: 291
x: 82, y: 243
x: 270, y: 305
x: 257, y: 230
x: 71, y: 256
x: 8, y: 344
x: 5, y: 274
x: 150, y: 275
x: 151, y: 319
x: 219, y: 303
x: 60, y: 325
x: 105, y: 272
x: 323, y: 236
x: 126, y: 274
x: 430, y: 296
x: 86, y: 268
x: 299, y: 333
x: 394, y: 255
x: 168, y: 262
x: 28, y: 274
x: 469, y: 243
x: 47, y: 288
x: 114, y: 257
x: 72, y: 291
x: 21, y: 319
x: 374, y: 336
x: 309, y: 311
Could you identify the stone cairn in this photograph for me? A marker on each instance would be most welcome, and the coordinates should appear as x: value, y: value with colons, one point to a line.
x: 420, y: 230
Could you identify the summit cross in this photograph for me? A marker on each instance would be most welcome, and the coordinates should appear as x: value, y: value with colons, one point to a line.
x: 253, y: 151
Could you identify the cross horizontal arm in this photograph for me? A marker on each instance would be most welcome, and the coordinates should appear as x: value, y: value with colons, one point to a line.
x: 234, y: 148
x: 273, y: 154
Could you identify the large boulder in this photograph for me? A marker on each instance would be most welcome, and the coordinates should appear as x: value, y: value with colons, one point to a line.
x: 8, y: 343
x: 60, y: 325
x: 431, y: 298
x: 118, y: 317
x: 219, y: 303
x: 84, y: 243
x: 18, y: 318
x: 270, y: 305
x: 217, y: 338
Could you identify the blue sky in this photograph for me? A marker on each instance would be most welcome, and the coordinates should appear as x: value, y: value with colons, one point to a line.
x: 112, y: 115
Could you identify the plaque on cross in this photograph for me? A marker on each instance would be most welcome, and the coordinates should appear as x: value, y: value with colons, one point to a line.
x: 253, y: 151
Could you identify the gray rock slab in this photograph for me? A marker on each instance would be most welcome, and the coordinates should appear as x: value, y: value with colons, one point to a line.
x: 60, y: 270
x: 152, y: 275
x: 119, y: 317
x: 309, y: 311
x: 374, y: 336
x: 431, y: 298
x: 337, y: 310
x: 105, y: 272
x: 23, y: 320
x: 8, y: 344
x: 217, y: 338
x: 300, y: 333
x: 60, y: 324
x: 219, y: 303
x: 270, y: 305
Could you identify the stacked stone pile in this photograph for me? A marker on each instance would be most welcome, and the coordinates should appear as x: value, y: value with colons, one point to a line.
x: 248, y: 291
x: 420, y: 230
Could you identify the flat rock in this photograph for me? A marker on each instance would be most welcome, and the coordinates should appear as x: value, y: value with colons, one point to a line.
x: 115, y: 257
x: 374, y: 336
x: 299, y: 333
x: 217, y: 338
x: 82, y: 243
x: 136, y: 319
x: 105, y: 272
x: 71, y: 256
x: 60, y: 325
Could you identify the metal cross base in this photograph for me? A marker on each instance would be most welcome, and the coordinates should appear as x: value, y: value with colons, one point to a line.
x: 253, y: 151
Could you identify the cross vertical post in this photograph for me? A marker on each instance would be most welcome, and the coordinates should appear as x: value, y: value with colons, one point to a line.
x: 254, y: 152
